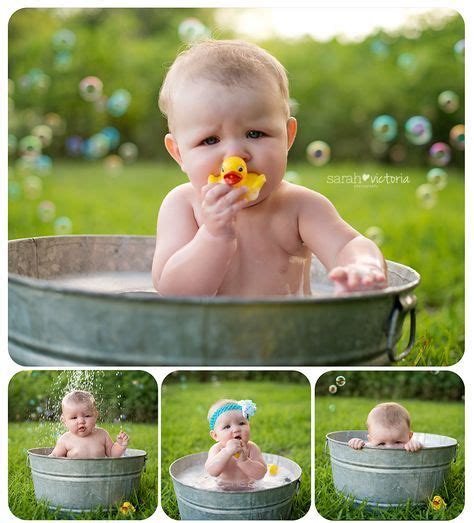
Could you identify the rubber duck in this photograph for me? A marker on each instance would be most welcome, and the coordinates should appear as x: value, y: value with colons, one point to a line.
x: 273, y: 469
x: 234, y: 172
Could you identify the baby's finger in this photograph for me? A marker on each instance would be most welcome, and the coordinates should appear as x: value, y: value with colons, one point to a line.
x: 338, y: 274
x: 353, y: 279
x: 215, y: 192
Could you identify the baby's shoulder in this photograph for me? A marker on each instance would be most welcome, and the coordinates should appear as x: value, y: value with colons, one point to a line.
x: 298, y: 194
x: 183, y: 194
x: 101, y: 433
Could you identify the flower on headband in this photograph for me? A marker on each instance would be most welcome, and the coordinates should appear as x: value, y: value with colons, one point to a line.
x: 248, y: 408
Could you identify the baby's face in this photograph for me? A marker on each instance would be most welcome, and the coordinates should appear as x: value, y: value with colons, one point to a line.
x: 229, y: 425
x: 393, y: 437
x: 211, y: 122
x: 79, y: 418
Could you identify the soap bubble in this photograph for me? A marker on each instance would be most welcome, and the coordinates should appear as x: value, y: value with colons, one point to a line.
x: 456, y: 137
x: 380, y: 48
x: 100, y: 105
x: 332, y: 389
x: 74, y: 145
x: 440, y: 154
x: 12, y: 144
x: 459, y: 47
x: 64, y: 40
x: 113, y: 136
x: 426, y: 195
x: 448, y: 101
x: 44, y: 133
x: 418, y: 130
x: 192, y: 30
x: 438, y: 177
x: 340, y: 381
x: 43, y: 164
x: 384, y: 128
x: 332, y: 408
x: 128, y: 151
x: 62, y: 61
x: 118, y: 102
x: 375, y: 234
x: 294, y: 106
x: 114, y: 164
x: 318, y: 153
x: 62, y: 225
x: 30, y: 145
x: 292, y: 177
x: 57, y: 124
x: 14, y: 190
x: 407, y: 62
x: 96, y: 146
x: 90, y: 88
x: 46, y: 211
x: 32, y: 187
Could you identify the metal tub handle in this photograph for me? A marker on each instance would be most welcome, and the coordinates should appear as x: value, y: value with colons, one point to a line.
x: 402, y: 306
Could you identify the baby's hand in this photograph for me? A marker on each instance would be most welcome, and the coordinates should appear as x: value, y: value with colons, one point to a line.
x: 220, y: 204
x: 233, y: 446
x: 122, y: 439
x: 358, y: 277
x: 356, y: 443
x: 243, y: 452
x: 413, y: 446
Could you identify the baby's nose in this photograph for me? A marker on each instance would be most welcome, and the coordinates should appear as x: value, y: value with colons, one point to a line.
x: 238, y: 149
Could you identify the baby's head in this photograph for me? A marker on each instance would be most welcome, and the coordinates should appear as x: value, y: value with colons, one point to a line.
x: 229, y: 419
x: 388, y: 426
x: 79, y: 412
x: 227, y: 98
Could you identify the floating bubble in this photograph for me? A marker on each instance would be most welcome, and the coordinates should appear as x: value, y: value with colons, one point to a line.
x: 32, y: 187
x: 100, y: 105
x: 62, y: 225
x: 46, y: 211
x: 44, y: 133
x: 114, y: 164
x: 318, y: 153
x: 30, y: 145
x: 427, y: 195
x: 292, y: 177
x: 294, y: 106
x: 74, y: 145
x: 418, y: 130
x: 380, y: 48
x: 332, y: 389
x: 385, y: 128
x: 332, y: 408
x: 440, y: 154
x: 62, y: 61
x: 64, y: 40
x: 113, y: 136
x: 456, y: 137
x: 128, y: 151
x: 437, y: 177
x: 118, y: 103
x: 407, y: 62
x: 90, y: 88
x: 448, y: 101
x: 459, y: 47
x: 96, y: 146
x: 57, y: 124
x: 340, y: 381
x: 43, y: 164
x: 14, y: 190
x: 12, y: 144
x: 397, y: 153
x: 192, y: 30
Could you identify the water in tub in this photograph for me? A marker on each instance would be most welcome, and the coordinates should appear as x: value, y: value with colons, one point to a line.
x: 197, y: 477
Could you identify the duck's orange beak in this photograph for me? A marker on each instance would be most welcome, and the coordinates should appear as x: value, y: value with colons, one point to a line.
x: 232, y: 177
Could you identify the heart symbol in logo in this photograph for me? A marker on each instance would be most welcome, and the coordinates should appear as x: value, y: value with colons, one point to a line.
x: 365, y: 177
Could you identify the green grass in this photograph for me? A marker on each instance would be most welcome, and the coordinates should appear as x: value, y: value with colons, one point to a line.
x: 429, y: 240
x: 23, y: 436
x: 282, y: 425
x: 350, y: 414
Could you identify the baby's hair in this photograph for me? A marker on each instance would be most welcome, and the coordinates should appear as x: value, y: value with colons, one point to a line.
x: 229, y: 62
x: 389, y: 414
x: 216, y: 405
x: 79, y: 396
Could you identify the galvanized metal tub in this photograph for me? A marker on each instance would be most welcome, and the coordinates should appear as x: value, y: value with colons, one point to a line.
x: 81, y: 485
x: 88, y: 300
x: 270, y: 503
x: 390, y: 477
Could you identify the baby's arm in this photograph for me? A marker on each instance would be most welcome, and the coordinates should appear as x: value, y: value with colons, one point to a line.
x: 115, y: 450
x: 251, y: 462
x: 353, y: 261
x: 192, y: 260
x: 356, y: 443
x: 218, y: 457
x: 60, y: 450
x: 413, y: 446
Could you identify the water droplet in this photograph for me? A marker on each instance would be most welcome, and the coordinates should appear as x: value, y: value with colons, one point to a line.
x: 332, y: 389
x: 318, y: 153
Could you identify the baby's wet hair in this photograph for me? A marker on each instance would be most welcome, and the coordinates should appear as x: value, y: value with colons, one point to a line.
x: 79, y: 396
x: 389, y: 414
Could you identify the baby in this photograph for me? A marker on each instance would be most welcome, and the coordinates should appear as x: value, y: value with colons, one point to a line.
x: 227, y: 99
x: 234, y: 459
x: 84, y: 439
x: 388, y: 426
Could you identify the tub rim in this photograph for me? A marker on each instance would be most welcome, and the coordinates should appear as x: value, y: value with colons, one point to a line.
x: 64, y: 458
x: 49, y: 285
x: 230, y: 492
x: 453, y: 442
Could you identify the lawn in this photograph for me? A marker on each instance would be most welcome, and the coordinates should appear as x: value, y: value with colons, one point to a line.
x: 350, y: 414
x: 429, y: 240
x: 282, y: 425
x: 23, y: 436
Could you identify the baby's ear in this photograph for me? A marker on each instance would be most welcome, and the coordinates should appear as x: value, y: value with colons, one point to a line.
x: 172, y: 148
x: 213, y: 435
x: 291, y: 127
x: 410, y: 434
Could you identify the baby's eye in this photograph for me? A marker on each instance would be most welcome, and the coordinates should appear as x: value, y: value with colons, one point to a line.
x: 227, y: 427
x: 242, y: 423
x: 88, y: 415
x: 210, y: 140
x: 398, y: 443
x: 254, y: 134
x: 74, y: 417
x: 381, y: 444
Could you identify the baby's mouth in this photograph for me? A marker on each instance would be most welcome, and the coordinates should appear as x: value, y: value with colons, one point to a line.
x: 238, y: 437
x: 232, y: 177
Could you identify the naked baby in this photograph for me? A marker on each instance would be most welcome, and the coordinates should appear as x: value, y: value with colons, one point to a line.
x: 237, y: 228
x: 234, y: 460
x: 83, y: 439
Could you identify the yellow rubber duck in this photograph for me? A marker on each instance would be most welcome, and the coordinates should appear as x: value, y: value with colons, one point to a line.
x: 273, y: 469
x: 234, y: 173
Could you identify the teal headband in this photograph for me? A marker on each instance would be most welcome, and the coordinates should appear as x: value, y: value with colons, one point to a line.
x: 247, y: 407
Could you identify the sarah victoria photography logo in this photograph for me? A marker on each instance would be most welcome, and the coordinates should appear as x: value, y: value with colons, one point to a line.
x: 368, y: 180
